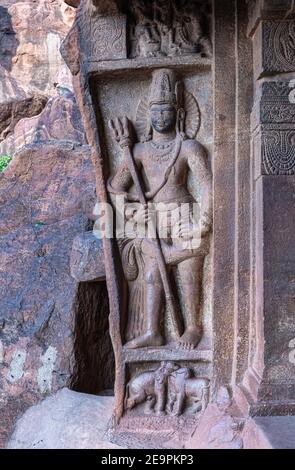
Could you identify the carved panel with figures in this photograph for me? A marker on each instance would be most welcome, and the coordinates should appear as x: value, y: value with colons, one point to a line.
x: 169, y: 28
x: 170, y: 389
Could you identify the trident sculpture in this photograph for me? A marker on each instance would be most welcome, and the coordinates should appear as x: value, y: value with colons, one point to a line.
x: 158, y: 168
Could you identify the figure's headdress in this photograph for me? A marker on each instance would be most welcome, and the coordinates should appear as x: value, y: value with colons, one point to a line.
x: 163, y: 87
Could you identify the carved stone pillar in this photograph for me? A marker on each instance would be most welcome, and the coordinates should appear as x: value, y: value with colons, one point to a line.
x: 272, y: 29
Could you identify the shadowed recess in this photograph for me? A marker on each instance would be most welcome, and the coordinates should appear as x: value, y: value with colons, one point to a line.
x: 94, y: 368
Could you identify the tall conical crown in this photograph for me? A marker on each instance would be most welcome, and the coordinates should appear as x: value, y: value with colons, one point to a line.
x: 163, y: 87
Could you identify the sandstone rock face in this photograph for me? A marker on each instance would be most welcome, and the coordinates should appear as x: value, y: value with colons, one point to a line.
x: 217, y: 429
x: 67, y: 420
x: 31, y: 35
x: 59, y: 121
x: 51, y: 325
x: 13, y: 110
x: 86, y: 251
x: 30, y: 63
x: 45, y: 194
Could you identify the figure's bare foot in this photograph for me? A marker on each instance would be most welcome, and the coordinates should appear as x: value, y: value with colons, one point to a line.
x: 149, y: 339
x: 189, y: 339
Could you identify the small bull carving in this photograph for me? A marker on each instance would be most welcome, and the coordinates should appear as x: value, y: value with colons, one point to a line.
x: 167, y: 388
x: 183, y: 387
x: 150, y: 386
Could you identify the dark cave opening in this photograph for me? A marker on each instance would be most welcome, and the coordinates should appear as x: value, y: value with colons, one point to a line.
x: 94, y: 369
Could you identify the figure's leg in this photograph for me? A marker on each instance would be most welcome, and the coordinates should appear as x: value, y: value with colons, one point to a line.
x: 171, y: 402
x: 190, y: 274
x: 153, y: 306
x: 135, y: 399
x: 179, y: 403
x: 161, y: 400
x: 150, y: 403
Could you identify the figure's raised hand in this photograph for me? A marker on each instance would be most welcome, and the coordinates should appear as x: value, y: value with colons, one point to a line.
x: 120, y: 130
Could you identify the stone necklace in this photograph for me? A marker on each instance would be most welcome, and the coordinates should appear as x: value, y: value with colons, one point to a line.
x: 176, y: 151
x: 163, y: 151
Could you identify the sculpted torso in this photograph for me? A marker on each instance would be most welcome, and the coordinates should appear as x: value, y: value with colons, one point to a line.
x: 163, y: 164
x: 153, y: 167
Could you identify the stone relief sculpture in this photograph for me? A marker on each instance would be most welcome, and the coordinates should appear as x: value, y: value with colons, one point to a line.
x: 281, y: 37
x: 150, y: 386
x: 165, y: 27
x: 276, y: 136
x: 169, y: 389
x: 159, y: 165
x: 278, y: 155
x: 183, y: 387
x: 161, y: 171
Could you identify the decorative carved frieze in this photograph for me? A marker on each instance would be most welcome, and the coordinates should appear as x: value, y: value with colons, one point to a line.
x: 273, y: 121
x: 275, y: 104
x: 274, y: 43
x: 277, y: 52
x: 274, y: 150
x: 272, y: 27
x: 108, y: 37
x: 158, y: 28
x: 278, y: 154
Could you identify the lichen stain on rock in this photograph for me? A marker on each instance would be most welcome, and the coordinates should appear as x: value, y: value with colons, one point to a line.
x: 44, y: 377
x: 16, y: 369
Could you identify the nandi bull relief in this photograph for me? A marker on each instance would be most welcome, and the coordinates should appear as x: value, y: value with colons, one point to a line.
x: 143, y: 83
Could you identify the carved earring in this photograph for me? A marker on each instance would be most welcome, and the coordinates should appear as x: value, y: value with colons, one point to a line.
x: 180, y: 123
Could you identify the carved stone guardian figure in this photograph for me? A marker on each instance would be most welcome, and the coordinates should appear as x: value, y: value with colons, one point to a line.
x: 143, y: 68
x: 154, y: 172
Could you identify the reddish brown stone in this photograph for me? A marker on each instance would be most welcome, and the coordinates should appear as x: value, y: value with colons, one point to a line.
x: 45, y: 194
x: 59, y: 121
x: 87, y: 260
x: 12, y: 111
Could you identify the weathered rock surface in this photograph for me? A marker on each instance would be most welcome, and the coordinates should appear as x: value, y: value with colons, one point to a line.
x: 66, y: 420
x: 220, y: 427
x: 30, y: 63
x: 86, y: 251
x: 59, y: 121
x: 31, y: 35
x: 53, y: 330
x: 16, y: 104
x: 45, y: 194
